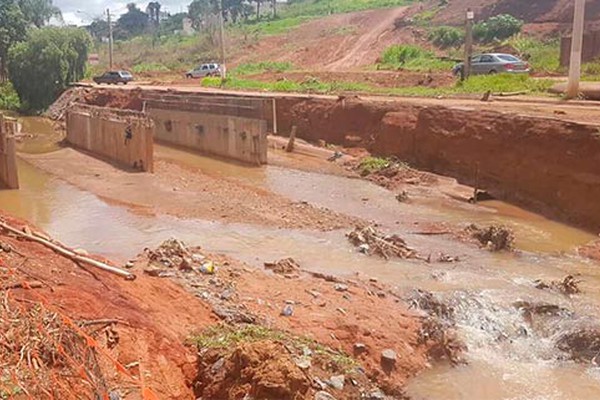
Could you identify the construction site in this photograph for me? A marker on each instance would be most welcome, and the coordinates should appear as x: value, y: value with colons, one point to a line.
x: 179, y: 243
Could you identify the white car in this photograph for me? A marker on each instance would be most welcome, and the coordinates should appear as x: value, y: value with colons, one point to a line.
x: 204, y: 70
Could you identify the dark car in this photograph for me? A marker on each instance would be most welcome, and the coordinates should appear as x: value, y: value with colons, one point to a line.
x: 494, y: 63
x: 114, y: 77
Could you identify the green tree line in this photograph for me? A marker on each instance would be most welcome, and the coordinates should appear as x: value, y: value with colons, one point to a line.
x: 39, y: 60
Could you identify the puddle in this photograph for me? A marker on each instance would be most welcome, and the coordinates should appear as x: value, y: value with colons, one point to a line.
x: 524, y: 368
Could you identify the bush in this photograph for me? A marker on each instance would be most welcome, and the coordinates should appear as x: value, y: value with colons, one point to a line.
x: 499, y: 27
x: 9, y: 100
x: 41, y: 67
x: 265, y: 66
x: 447, y: 36
x: 401, y: 54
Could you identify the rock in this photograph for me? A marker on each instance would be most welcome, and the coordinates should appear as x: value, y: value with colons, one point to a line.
x: 376, y: 395
x: 129, y: 264
x: 323, y: 395
x: 337, y: 382
x: 340, y: 287
x: 287, y: 311
x: 381, y: 294
x: 364, y: 248
x: 303, y: 362
x: 359, y: 348
x: 388, y: 357
x: 227, y: 294
x: 218, y: 365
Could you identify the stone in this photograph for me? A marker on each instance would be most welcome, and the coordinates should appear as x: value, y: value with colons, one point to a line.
x: 388, y: 357
x: 359, y: 348
x: 337, y: 382
x: 340, y: 287
x: 303, y: 362
x: 218, y: 365
x: 226, y: 294
x: 323, y: 395
x: 287, y: 311
x: 376, y: 395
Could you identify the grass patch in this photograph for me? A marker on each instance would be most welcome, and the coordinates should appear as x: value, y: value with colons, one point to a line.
x: 543, y: 56
x: 261, y: 67
x: 369, y: 165
x: 412, y: 58
x: 475, y: 85
x: 149, y: 67
x: 9, y: 99
x: 327, y: 7
x: 227, y: 338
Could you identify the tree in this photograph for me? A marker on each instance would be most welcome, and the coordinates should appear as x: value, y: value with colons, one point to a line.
x: 132, y: 23
x: 39, y: 12
x: 12, y: 29
x: 42, y: 66
x: 200, y: 11
x: 153, y: 11
x: 98, y: 29
x: 172, y: 23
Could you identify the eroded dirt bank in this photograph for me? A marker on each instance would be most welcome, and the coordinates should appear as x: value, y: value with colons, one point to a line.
x: 170, y: 323
x: 545, y: 164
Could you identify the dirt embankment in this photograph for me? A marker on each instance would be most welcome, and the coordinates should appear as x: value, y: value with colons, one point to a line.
x: 545, y: 164
x: 174, y: 324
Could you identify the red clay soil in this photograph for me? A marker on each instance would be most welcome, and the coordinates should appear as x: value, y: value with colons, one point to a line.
x: 545, y: 164
x: 156, y: 316
x: 130, y: 100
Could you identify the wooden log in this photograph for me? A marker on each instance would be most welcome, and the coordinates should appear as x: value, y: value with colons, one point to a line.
x: 69, y: 253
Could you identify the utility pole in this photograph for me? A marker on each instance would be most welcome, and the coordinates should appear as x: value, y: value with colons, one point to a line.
x: 576, y: 49
x: 222, y: 29
x: 110, y: 41
x: 466, y: 72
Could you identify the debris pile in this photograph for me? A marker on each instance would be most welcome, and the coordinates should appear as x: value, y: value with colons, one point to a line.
x: 370, y: 241
x: 173, y: 253
x: 286, y: 266
x: 43, y: 352
x: 493, y: 237
x: 582, y: 345
x: 568, y: 286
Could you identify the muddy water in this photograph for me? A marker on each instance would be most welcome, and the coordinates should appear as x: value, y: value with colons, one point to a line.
x: 482, y: 288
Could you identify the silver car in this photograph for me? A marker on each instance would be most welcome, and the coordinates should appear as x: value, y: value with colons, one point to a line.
x: 494, y: 63
x: 203, y: 70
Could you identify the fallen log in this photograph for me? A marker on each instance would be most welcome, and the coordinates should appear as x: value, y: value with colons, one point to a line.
x: 69, y: 253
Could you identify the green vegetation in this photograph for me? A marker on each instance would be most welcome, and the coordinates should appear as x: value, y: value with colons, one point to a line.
x: 9, y: 99
x: 500, y: 27
x: 261, y: 67
x: 326, y: 7
x: 227, y: 337
x: 148, y: 67
x: 42, y: 66
x: 369, y: 165
x: 447, y: 36
x: 412, y: 58
x: 475, y: 85
x: 543, y: 56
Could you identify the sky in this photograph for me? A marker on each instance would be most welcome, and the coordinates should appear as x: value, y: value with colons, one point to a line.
x: 81, y: 12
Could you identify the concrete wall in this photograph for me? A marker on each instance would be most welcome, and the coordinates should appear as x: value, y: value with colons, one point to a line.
x: 8, y: 155
x: 124, y: 138
x: 590, y: 51
x: 225, y: 127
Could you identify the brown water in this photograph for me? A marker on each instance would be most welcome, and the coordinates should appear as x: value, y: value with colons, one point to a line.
x: 481, y: 288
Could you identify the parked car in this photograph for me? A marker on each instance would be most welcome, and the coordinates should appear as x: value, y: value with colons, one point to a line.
x: 203, y: 70
x: 494, y: 63
x: 114, y: 77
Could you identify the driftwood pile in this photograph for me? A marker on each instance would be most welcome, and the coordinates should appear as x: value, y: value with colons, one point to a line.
x: 370, y: 241
x: 173, y: 253
x: 568, y: 286
x: 493, y: 237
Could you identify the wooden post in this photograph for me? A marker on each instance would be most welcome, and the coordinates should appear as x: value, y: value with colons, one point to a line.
x: 8, y: 153
x: 466, y: 72
x: 576, y: 50
x: 290, y: 146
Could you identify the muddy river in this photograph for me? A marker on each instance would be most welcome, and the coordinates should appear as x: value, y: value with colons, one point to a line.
x: 506, y: 358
